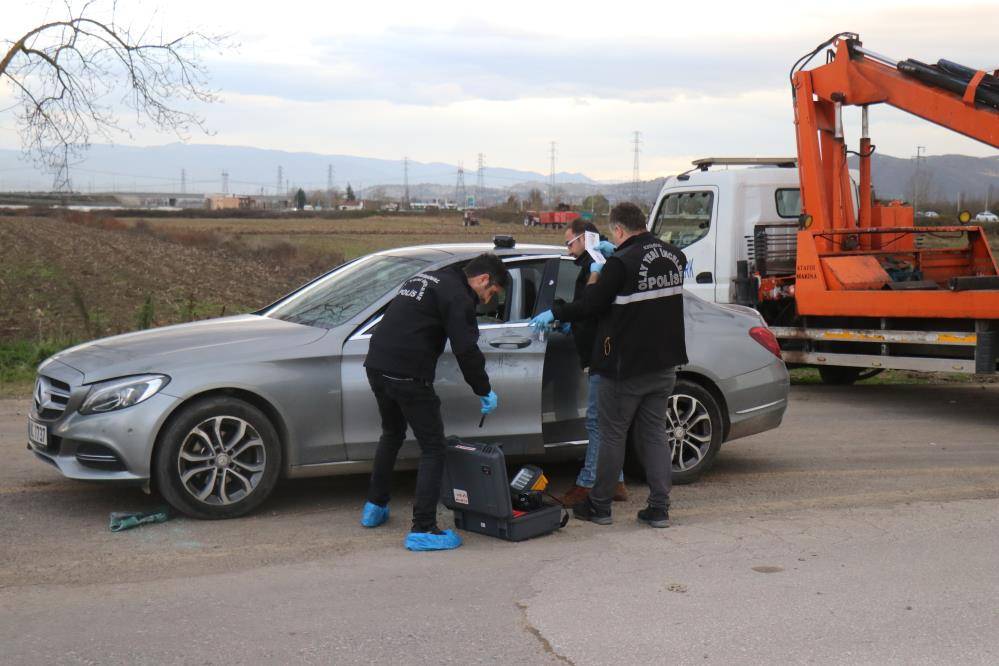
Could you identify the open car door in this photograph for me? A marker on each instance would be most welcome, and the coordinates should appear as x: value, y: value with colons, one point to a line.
x: 515, y: 362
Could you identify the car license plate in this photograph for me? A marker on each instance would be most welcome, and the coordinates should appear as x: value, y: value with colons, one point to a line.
x: 38, y: 434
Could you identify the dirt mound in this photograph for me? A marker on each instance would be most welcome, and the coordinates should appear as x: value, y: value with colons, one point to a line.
x: 62, y: 280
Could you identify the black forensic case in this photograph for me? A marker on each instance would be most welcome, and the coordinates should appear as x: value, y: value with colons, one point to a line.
x: 476, y: 488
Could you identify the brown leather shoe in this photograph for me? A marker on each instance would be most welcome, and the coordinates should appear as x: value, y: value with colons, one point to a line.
x: 620, y: 492
x: 575, y: 495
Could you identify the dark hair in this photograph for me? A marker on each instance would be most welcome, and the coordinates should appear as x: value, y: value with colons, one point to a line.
x: 629, y: 216
x: 579, y: 225
x: 490, y: 264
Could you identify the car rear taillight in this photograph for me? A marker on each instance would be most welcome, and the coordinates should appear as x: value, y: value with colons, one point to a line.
x: 766, y: 337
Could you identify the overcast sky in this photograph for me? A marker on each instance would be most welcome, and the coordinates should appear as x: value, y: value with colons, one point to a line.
x: 444, y: 81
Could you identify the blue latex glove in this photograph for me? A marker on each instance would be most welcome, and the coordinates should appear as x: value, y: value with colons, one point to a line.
x: 565, y: 328
x: 446, y: 540
x: 374, y: 515
x: 596, y: 267
x: 605, y: 248
x: 489, y: 402
x: 543, y: 321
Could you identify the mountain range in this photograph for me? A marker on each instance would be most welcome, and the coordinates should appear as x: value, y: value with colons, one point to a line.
x: 255, y: 170
x: 158, y: 169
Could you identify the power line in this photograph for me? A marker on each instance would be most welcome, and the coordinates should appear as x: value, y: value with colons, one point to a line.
x: 61, y: 182
x: 551, y: 175
x: 459, y: 187
x: 405, y: 183
x: 635, y: 178
x: 480, y: 180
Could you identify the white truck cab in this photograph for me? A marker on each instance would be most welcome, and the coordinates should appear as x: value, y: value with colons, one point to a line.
x: 712, y: 211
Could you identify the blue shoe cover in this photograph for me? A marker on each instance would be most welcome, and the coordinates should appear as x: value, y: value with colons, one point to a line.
x: 374, y: 515
x: 426, y: 541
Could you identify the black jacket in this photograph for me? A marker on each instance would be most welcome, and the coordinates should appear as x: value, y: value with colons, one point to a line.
x: 638, y: 301
x: 430, y: 309
x: 584, y: 330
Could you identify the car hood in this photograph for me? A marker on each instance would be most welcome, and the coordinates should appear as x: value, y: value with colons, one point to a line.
x: 161, y: 350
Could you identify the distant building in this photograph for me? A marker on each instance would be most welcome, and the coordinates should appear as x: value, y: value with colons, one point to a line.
x: 229, y: 202
x: 438, y: 204
x: 351, y: 205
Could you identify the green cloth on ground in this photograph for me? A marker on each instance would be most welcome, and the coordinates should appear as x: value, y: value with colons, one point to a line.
x: 126, y: 520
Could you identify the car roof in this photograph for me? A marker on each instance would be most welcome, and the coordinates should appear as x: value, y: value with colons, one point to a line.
x: 440, y: 251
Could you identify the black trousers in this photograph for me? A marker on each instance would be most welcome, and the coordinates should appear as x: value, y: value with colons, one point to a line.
x: 412, y: 402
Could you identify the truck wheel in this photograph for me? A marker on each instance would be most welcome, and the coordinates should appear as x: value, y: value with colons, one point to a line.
x: 694, y: 436
x: 219, y: 458
x: 837, y: 375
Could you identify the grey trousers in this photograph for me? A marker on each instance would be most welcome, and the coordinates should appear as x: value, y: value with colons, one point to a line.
x: 638, y: 404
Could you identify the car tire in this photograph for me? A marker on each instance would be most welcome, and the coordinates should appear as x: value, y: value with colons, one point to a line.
x: 693, y: 407
x: 217, y: 458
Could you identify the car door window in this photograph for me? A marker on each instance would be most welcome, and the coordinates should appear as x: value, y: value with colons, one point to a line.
x: 683, y: 218
x: 568, y: 271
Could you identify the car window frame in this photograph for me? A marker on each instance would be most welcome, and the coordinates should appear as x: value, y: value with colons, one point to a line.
x: 688, y: 190
x: 363, y: 330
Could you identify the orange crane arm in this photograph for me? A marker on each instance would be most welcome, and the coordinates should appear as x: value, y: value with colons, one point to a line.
x: 863, y: 78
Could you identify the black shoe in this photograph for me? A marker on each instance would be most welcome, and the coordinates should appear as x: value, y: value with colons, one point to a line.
x: 586, y: 511
x: 426, y: 529
x: 654, y: 517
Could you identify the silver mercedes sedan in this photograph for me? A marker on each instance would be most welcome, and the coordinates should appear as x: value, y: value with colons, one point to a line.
x: 212, y: 413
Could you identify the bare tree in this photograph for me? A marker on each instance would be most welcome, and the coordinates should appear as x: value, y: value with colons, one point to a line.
x: 73, y: 76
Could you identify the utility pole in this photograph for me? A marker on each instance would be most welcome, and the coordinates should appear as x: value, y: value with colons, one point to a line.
x: 459, y: 187
x: 329, y: 184
x: 225, y: 182
x: 551, y: 174
x: 183, y: 181
x: 61, y: 182
x: 920, y: 151
x: 280, y: 181
x: 635, y: 178
x: 480, y: 180
x: 405, y: 183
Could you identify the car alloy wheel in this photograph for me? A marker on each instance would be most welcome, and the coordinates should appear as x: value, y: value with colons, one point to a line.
x: 694, y: 431
x: 689, y: 432
x: 217, y: 457
x: 222, y: 460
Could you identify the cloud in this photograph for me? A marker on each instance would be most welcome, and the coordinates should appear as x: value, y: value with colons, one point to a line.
x: 445, y: 66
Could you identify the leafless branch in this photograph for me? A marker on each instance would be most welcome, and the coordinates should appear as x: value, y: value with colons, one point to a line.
x: 73, y: 76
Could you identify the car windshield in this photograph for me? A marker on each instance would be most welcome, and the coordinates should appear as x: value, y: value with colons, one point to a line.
x: 345, y: 292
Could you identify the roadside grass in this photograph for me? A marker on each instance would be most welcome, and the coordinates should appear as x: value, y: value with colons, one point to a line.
x: 810, y: 377
x: 18, y: 362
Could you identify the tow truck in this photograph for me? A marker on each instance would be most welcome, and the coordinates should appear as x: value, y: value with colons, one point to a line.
x: 848, y: 284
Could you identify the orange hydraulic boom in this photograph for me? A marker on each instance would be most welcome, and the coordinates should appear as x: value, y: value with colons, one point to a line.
x: 846, y: 253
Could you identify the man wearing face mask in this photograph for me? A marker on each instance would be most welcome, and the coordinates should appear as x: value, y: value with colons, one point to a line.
x: 583, y: 332
x: 637, y: 298
x: 429, y: 310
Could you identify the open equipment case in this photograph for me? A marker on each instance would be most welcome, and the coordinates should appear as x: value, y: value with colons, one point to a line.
x: 476, y: 488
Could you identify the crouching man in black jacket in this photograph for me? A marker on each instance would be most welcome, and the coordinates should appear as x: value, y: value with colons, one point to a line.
x: 430, y: 309
x: 637, y: 297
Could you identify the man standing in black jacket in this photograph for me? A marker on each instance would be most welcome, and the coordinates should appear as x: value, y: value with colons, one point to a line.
x: 637, y: 297
x: 583, y: 333
x: 430, y: 309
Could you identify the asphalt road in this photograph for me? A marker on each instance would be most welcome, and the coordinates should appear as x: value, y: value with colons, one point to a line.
x: 864, y: 530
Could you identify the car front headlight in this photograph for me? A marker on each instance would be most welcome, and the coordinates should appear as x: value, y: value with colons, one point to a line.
x: 121, y: 393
